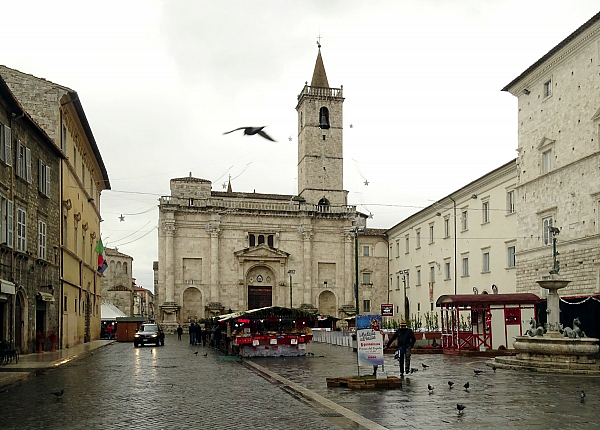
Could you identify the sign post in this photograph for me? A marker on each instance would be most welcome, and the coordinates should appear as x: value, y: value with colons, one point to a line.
x: 369, y: 341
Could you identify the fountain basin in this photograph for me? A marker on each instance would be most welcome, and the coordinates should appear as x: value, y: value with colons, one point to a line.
x: 556, y: 349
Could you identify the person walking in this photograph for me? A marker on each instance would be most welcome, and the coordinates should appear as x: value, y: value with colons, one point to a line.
x: 203, y: 336
x: 179, y: 331
x: 109, y: 330
x: 406, y: 340
x: 192, y: 329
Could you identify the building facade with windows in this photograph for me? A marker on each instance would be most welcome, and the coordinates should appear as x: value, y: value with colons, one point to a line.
x: 233, y: 251
x: 29, y: 227
x: 117, y: 282
x: 558, y: 165
x: 81, y: 178
x: 464, y: 243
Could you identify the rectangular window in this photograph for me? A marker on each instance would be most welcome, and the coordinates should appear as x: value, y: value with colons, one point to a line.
x: 397, y: 283
x: 42, y: 240
x: 548, y: 88
x: 464, y: 220
x: 5, y: 145
x: 418, y: 277
x: 510, y: 202
x: 447, y: 270
x: 431, y: 233
x: 390, y: 253
x: 21, y: 230
x: 485, y: 262
x: 546, y: 235
x: 512, y: 262
x: 446, y: 227
x: 485, y: 208
x: 397, y: 249
x: 431, y: 274
x: 465, y: 266
x: 76, y: 238
x: 547, y: 161
x: 63, y: 138
x: 366, y: 306
x: 418, y: 239
x: 43, y: 178
x: 366, y: 278
x: 365, y: 251
x: 407, y: 244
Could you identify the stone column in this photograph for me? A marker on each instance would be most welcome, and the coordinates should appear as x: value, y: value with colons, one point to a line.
x: 169, y: 230
x: 214, y: 264
x: 307, y: 268
x: 348, y: 284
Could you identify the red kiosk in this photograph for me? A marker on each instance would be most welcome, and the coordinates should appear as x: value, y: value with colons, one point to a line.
x: 478, y: 322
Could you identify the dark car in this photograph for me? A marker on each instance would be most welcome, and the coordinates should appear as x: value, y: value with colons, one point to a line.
x: 149, y: 333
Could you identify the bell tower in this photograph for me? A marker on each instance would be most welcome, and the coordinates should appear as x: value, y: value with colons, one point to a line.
x: 320, y: 141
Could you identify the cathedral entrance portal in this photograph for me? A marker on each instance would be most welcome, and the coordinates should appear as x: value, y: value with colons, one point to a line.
x: 259, y: 297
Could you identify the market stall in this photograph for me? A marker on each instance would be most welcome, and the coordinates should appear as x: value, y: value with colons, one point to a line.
x: 268, y: 332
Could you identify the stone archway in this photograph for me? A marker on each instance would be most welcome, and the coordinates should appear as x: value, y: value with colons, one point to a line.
x: 327, y: 304
x: 260, y: 281
x: 192, y: 309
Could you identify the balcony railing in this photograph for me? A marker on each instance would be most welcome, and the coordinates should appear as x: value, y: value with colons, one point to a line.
x: 320, y: 92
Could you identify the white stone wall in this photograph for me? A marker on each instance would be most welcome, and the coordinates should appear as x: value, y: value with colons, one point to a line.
x: 565, y: 122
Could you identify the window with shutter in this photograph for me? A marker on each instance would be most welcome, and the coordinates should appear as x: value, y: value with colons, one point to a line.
x: 28, y: 165
x: 42, y: 240
x: 47, y: 181
x: 41, y: 173
x: 8, y: 146
x: 10, y: 208
x: 21, y: 230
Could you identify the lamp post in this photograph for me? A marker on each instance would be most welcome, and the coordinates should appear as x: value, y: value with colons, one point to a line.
x: 355, y: 230
x: 291, y: 272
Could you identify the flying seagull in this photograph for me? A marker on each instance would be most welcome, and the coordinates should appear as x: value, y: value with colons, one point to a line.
x: 460, y: 408
x: 253, y: 130
x: 58, y: 394
x: 582, y: 396
x: 450, y: 384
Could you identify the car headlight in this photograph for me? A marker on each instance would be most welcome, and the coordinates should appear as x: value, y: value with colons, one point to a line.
x: 154, y: 335
x: 137, y: 335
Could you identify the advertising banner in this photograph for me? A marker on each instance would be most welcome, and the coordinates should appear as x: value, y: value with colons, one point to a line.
x: 387, y: 310
x: 369, y: 340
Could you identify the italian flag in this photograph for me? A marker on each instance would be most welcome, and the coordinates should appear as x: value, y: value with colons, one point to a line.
x: 102, y: 264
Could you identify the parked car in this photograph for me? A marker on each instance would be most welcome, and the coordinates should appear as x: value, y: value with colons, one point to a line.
x: 149, y: 333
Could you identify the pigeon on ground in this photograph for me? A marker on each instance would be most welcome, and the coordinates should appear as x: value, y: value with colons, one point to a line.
x: 466, y: 386
x: 460, y: 408
x: 494, y: 368
x: 413, y: 370
x: 450, y: 384
x: 58, y: 394
x: 249, y: 131
x: 430, y: 388
x: 582, y: 396
x: 425, y: 366
x: 196, y: 353
x: 478, y: 372
x: 205, y: 355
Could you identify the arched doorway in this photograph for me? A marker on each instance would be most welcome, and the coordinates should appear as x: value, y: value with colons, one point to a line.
x: 260, y: 287
x: 20, y: 319
x: 192, y: 305
x: 327, y: 304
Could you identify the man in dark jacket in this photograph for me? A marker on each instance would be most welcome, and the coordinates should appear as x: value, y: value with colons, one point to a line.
x: 406, y: 340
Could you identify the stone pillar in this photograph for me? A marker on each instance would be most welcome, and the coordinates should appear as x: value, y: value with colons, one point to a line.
x: 214, y: 264
x: 349, y: 280
x: 169, y: 230
x: 307, y: 268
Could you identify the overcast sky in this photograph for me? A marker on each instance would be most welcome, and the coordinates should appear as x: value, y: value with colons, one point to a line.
x: 160, y: 81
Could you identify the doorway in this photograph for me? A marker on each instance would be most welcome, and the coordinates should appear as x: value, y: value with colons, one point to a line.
x: 259, y: 297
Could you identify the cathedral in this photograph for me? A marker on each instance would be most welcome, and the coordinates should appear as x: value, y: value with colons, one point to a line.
x: 224, y: 251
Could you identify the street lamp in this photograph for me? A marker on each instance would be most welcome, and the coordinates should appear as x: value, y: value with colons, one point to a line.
x: 291, y: 272
x: 355, y: 230
x: 404, y: 273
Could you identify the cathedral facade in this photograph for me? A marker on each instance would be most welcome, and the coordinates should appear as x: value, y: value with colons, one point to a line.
x: 233, y: 251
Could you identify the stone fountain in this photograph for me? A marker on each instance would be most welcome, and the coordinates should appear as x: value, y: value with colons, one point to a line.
x: 553, y: 350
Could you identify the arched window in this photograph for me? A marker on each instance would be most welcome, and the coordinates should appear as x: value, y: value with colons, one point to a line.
x: 125, y: 268
x: 270, y: 240
x: 261, y: 239
x: 252, y: 240
x: 323, y: 205
x: 324, y: 118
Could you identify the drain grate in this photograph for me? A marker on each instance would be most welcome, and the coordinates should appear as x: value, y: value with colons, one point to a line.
x: 331, y: 414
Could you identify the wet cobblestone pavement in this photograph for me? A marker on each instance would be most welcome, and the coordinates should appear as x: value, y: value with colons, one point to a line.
x: 501, y: 399
x: 167, y: 387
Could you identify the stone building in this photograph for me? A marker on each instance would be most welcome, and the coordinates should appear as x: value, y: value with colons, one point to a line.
x: 116, y: 282
x: 230, y: 251
x: 558, y: 174
x: 59, y: 112
x: 29, y: 227
x: 464, y: 243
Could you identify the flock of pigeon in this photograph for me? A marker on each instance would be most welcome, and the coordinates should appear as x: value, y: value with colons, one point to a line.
x: 466, y: 386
